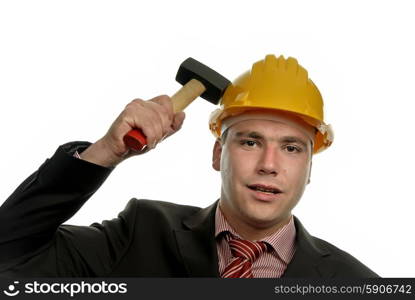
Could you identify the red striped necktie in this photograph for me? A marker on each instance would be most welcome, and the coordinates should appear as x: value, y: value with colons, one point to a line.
x: 244, y: 254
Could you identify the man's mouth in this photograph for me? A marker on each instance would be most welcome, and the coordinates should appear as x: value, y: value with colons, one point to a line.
x: 264, y: 189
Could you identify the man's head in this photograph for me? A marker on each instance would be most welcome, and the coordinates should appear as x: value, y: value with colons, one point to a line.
x: 268, y: 127
x: 265, y: 164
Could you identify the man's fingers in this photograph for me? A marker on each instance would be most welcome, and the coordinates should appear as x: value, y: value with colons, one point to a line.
x: 177, y: 124
x: 152, y: 128
x: 166, y: 105
x: 178, y: 120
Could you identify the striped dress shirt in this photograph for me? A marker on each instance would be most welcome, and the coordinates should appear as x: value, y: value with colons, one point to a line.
x: 271, y: 264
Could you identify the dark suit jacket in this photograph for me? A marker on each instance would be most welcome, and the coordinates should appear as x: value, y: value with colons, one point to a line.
x: 148, y: 239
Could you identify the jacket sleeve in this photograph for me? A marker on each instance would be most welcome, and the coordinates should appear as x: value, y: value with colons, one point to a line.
x: 32, y: 240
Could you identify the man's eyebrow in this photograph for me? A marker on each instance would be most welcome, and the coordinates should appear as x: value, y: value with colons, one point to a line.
x: 250, y: 134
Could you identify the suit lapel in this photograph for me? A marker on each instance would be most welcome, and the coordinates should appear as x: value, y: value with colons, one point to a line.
x: 308, y: 260
x: 197, y: 245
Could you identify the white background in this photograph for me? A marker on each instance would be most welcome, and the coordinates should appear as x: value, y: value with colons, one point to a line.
x: 68, y: 68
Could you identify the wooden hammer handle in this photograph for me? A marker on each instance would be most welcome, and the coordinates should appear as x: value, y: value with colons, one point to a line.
x: 135, y: 138
x: 189, y: 92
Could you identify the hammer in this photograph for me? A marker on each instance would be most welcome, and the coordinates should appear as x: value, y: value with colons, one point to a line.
x: 198, y: 80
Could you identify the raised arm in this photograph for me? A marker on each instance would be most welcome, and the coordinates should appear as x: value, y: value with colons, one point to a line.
x: 32, y: 239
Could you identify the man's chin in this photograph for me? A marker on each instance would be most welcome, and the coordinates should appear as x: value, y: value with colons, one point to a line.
x: 264, y: 221
x: 268, y: 215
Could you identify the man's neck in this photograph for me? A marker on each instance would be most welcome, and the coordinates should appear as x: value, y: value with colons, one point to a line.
x: 252, y: 232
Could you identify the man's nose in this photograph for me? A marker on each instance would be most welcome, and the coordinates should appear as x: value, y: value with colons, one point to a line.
x: 268, y: 161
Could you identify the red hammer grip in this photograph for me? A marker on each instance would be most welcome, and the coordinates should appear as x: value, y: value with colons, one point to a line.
x: 135, y: 139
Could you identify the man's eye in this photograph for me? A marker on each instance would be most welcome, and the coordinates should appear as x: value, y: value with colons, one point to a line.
x: 249, y: 143
x: 293, y: 149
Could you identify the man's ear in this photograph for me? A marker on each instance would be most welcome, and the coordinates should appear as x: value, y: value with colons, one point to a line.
x: 217, y: 152
x: 309, y: 173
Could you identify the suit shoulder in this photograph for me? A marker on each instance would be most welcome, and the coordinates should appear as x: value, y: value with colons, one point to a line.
x: 160, y: 209
x: 344, y: 263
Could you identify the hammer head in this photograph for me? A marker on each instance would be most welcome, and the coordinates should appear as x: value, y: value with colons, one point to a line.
x: 214, y: 83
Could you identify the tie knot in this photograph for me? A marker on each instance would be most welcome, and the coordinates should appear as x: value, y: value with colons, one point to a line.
x: 247, y: 249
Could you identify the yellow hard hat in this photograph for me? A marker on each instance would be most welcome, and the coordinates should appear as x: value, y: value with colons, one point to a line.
x: 275, y: 84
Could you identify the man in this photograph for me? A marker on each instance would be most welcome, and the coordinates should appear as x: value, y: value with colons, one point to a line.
x: 268, y: 127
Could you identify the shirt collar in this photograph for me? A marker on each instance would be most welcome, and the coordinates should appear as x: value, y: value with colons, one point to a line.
x: 282, y: 241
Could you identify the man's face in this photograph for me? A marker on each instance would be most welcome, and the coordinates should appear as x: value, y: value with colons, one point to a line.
x: 265, y: 166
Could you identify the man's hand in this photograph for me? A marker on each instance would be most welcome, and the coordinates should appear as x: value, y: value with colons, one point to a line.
x: 154, y: 117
